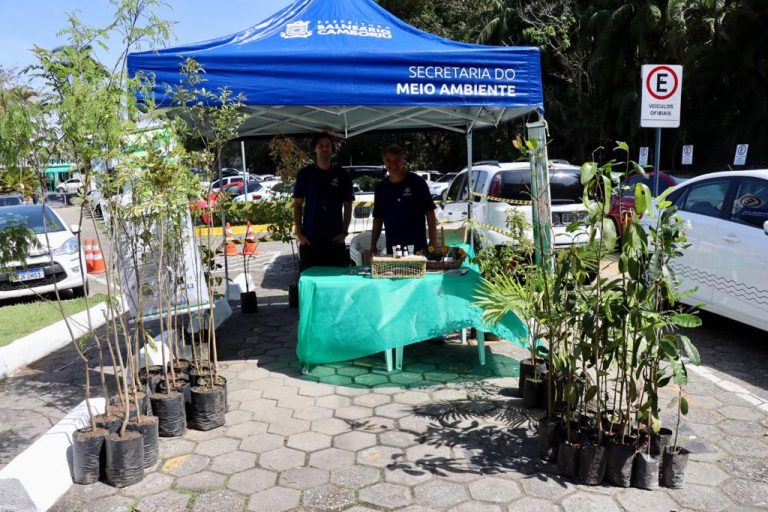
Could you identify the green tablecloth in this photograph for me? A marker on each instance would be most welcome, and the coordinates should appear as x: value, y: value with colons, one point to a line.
x: 343, y: 316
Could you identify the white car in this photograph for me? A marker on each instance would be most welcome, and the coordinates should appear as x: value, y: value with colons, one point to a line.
x: 726, y: 217
x: 429, y: 176
x: 61, y: 261
x: 512, y: 182
x: 70, y: 186
x: 440, y: 185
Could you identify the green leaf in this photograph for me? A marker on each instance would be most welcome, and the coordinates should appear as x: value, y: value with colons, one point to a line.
x: 642, y: 198
x: 609, y: 235
x: 669, y: 347
x: 683, y: 405
x: 655, y: 424
x: 686, y: 320
x: 590, y: 394
x: 690, y: 350
x: 639, y: 169
x: 588, y: 171
x: 622, y: 145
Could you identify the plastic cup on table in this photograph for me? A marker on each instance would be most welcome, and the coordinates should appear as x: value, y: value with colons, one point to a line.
x: 411, y: 250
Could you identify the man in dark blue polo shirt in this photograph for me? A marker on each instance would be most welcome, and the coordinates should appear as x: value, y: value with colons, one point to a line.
x: 322, y: 209
x: 401, y: 203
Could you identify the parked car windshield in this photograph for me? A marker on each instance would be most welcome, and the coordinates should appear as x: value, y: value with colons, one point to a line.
x: 564, y: 185
x: 10, y: 200
x: 31, y: 216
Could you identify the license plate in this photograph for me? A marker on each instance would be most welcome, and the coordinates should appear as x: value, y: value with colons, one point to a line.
x: 30, y: 275
x: 570, y: 217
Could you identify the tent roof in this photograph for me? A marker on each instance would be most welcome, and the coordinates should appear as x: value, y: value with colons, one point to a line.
x: 349, y: 66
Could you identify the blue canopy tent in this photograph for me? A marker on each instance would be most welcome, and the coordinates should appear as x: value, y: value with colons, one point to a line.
x: 349, y: 67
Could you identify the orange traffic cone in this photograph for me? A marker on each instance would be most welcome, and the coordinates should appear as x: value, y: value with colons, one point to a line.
x: 88, y: 256
x: 231, y: 249
x: 251, y: 247
x: 98, y: 260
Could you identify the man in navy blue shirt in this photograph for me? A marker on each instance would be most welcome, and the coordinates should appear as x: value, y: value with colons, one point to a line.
x: 322, y: 209
x: 401, y: 203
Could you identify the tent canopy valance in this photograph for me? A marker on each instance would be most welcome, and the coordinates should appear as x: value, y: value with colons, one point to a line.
x: 349, y: 66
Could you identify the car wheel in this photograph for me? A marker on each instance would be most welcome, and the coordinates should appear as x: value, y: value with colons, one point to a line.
x: 61, y: 190
x: 80, y: 291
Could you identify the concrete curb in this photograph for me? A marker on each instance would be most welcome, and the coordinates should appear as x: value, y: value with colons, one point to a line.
x: 47, y: 340
x: 43, y: 469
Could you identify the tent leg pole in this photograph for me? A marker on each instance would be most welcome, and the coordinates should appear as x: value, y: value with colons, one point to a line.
x: 468, y: 231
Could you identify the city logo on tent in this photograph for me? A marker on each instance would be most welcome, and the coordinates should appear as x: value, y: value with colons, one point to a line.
x: 301, y: 29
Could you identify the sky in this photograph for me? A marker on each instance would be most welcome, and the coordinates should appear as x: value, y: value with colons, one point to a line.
x: 26, y: 23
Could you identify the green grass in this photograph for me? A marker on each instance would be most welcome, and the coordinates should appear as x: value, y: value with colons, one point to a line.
x: 18, y: 320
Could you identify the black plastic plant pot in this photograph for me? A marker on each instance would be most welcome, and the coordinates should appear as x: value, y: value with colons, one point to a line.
x: 645, y: 471
x: 659, y: 441
x: 549, y: 438
x: 534, y: 393
x: 88, y: 455
x: 618, y: 470
x: 568, y: 459
x: 248, y: 303
x: 171, y: 413
x: 110, y: 423
x: 180, y: 366
x: 208, y: 408
x: 125, y: 459
x: 592, y: 462
x: 673, y: 464
x: 150, y: 434
x: 293, y: 296
x: 527, y: 369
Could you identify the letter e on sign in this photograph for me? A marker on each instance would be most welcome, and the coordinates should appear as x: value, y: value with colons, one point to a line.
x: 662, y: 87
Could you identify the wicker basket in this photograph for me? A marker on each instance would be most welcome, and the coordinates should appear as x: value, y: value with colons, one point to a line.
x: 387, y: 267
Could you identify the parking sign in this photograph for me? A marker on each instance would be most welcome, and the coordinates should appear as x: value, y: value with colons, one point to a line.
x: 688, y: 154
x: 740, y: 157
x: 662, y: 87
x: 643, y: 159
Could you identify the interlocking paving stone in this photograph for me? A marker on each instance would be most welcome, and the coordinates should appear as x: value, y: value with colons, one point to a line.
x: 112, y: 504
x: 333, y: 402
x: 200, y: 481
x: 91, y: 492
x: 309, y: 441
x: 440, y: 493
x: 398, y: 439
x: 743, y: 428
x: 220, y: 501
x: 199, y: 436
x: 296, y: 402
x: 174, y: 447
x: 494, y: 489
x: 328, y: 497
x: 313, y: 413
x: 640, y: 499
x: 701, y: 497
x: 281, y: 459
x: 388, y: 496
x: 353, y: 412
x: 332, y: 458
x: 355, y: 476
x: 747, y: 492
x: 407, y: 474
x: 741, y: 467
x: 243, y: 430
x: 233, y: 462
x: 262, y: 442
x: 276, y: 499
x: 354, y: 441
x: 303, y: 478
x: 476, y: 507
x: 738, y: 412
x: 394, y: 411
x: 185, y: 465
x: 744, y: 446
x: 66, y: 504
x: 546, y: 486
x: 168, y: 501
x: 330, y: 426
x: 581, y: 501
x: 289, y: 427
x: 152, y: 483
x: 244, y: 395
x: 528, y: 504
x: 252, y: 480
x: 412, y: 397
x: 380, y: 456
x: 216, y: 447
x: 371, y: 400
x: 237, y: 417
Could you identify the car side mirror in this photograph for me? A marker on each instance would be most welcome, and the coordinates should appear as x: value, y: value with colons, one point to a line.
x: 74, y: 228
x: 765, y: 227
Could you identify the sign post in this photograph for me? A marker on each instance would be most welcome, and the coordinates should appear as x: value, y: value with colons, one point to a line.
x: 660, y: 104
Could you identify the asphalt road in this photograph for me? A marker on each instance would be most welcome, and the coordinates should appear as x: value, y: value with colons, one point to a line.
x: 71, y: 215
